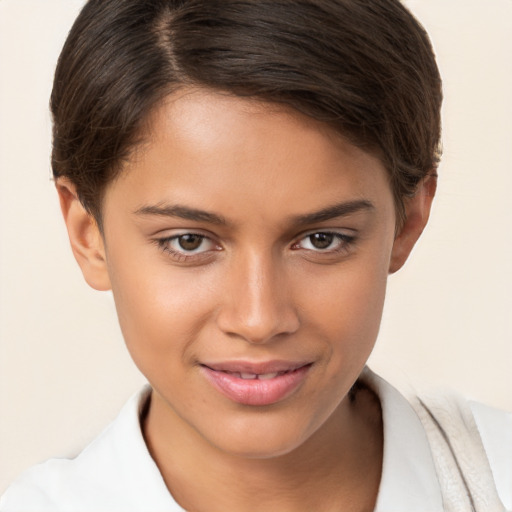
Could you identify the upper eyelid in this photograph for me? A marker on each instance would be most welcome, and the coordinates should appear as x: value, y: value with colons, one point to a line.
x: 334, y: 231
x: 343, y: 232
x: 184, y: 233
x: 166, y: 235
x: 171, y: 232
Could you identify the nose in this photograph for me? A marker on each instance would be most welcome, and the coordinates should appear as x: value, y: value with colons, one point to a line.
x: 257, y: 305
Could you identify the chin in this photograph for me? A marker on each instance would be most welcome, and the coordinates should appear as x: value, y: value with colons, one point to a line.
x: 258, y: 436
x: 256, y: 450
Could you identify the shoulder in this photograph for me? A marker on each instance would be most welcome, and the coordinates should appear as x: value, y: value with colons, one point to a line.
x: 113, y: 473
x: 495, y: 428
x: 472, y: 440
x: 65, y: 484
x: 43, y: 487
x: 431, y: 438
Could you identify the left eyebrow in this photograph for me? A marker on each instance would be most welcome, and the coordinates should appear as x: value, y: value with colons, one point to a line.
x: 334, y: 211
x: 182, y: 212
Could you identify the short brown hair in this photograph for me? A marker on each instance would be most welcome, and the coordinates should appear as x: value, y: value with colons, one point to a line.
x: 365, y: 67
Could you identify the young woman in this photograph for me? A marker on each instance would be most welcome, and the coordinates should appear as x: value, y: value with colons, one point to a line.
x: 244, y: 176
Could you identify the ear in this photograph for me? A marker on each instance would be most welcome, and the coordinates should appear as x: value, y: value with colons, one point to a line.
x: 84, y: 235
x: 417, y: 211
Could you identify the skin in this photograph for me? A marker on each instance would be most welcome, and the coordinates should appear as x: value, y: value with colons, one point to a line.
x: 255, y: 288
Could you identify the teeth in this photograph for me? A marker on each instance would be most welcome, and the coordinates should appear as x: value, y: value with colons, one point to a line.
x: 266, y: 376
x: 249, y: 376
x: 254, y: 376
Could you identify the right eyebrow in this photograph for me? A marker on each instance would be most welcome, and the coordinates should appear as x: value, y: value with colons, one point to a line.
x: 182, y: 212
x: 334, y: 211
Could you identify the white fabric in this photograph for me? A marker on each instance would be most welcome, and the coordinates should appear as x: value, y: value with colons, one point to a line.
x: 496, y: 431
x: 462, y: 465
x: 116, y: 472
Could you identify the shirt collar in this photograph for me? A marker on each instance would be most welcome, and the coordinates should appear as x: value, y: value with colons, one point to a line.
x: 142, y: 482
x: 409, y: 481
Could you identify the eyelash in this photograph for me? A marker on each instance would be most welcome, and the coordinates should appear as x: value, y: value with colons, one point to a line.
x: 181, y: 257
x: 344, y: 244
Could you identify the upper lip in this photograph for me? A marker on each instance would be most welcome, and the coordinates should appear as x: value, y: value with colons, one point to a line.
x: 257, y: 368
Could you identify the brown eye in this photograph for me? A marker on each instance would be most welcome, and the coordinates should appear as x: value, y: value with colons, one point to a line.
x: 321, y: 240
x: 188, y: 247
x: 190, y: 241
x: 325, y: 242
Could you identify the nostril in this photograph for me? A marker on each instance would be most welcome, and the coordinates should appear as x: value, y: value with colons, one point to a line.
x: 267, y: 329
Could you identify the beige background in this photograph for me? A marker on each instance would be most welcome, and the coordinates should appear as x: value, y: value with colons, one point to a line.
x: 63, y: 369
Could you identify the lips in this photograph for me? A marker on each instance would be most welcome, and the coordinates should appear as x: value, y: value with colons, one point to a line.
x: 256, y: 384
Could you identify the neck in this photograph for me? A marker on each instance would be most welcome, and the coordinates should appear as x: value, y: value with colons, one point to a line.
x: 337, y: 468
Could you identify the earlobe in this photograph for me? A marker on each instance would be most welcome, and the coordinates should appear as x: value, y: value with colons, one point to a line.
x: 84, y: 235
x: 417, y: 210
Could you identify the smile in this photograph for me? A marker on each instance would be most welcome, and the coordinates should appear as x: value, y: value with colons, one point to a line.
x: 243, y: 383
x: 252, y: 376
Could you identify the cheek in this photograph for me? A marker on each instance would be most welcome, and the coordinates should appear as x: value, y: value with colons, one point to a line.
x: 160, y: 310
x: 348, y: 301
x: 356, y: 321
x: 346, y: 322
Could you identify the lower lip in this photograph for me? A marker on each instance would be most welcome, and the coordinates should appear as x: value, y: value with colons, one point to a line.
x: 255, y: 391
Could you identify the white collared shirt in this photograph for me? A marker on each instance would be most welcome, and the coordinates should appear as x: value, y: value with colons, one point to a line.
x: 116, y: 472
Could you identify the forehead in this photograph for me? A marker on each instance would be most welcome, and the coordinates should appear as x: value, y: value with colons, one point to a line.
x: 202, y: 119
x: 224, y: 152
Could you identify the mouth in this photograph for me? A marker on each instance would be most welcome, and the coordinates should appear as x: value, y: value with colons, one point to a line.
x: 259, y: 376
x: 256, y: 384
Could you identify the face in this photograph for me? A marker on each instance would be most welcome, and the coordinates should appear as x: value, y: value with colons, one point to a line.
x: 248, y: 249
